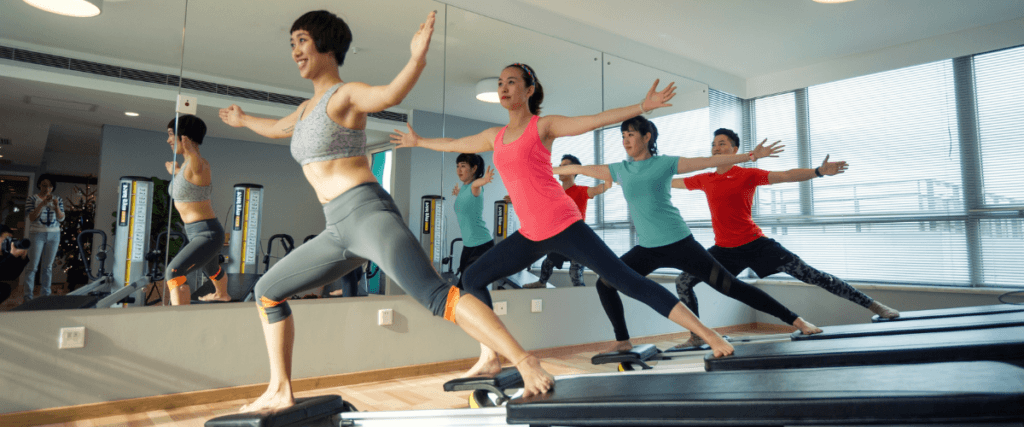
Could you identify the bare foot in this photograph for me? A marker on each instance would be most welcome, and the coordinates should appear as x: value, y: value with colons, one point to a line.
x: 805, y: 327
x: 719, y: 346
x: 883, y: 310
x: 215, y: 297
x: 535, y: 379
x: 272, y: 400
x: 619, y: 346
x: 694, y: 341
x: 535, y: 285
x: 487, y: 366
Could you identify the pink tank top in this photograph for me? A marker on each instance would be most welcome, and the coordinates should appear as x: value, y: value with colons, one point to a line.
x: 543, y: 208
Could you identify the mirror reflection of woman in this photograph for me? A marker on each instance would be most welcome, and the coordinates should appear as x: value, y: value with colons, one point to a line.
x: 664, y: 239
x: 328, y: 138
x: 469, y: 209
x: 45, y: 214
x: 191, y: 188
x: 550, y: 220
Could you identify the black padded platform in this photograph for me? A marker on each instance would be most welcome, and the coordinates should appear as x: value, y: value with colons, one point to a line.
x: 508, y: 378
x: 638, y: 354
x: 916, y: 326
x: 953, y: 393
x: 58, y: 302
x: 311, y: 411
x: 995, y: 344
x: 951, y: 312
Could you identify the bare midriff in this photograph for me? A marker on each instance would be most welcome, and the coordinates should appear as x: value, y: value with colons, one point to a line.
x: 195, y: 211
x: 331, y: 178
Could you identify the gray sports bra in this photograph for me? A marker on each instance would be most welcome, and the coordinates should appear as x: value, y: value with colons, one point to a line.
x: 183, y: 191
x: 318, y: 138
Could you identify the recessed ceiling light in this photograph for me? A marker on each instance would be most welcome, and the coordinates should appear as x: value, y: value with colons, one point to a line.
x: 131, y: 114
x: 487, y: 90
x: 75, y: 8
x: 817, y: 1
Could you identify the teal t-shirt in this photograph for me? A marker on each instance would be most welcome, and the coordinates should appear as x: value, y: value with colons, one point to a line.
x: 470, y: 212
x: 647, y: 186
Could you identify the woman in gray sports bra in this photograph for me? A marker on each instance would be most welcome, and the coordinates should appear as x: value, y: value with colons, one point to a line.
x: 191, y: 186
x: 363, y: 222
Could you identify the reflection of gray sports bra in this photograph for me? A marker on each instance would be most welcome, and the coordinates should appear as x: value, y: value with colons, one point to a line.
x: 183, y: 191
x: 318, y: 138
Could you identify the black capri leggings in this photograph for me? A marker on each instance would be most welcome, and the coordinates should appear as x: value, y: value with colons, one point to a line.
x: 205, y: 240
x: 362, y: 224
x: 691, y: 257
x: 577, y: 242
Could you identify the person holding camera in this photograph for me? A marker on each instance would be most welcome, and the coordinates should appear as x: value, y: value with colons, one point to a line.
x: 13, y: 259
x: 45, y: 213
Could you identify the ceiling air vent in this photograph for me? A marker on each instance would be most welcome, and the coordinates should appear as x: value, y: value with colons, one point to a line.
x: 114, y: 71
x: 5, y: 141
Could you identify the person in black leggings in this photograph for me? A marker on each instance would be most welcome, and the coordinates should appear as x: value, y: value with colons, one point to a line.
x: 664, y: 238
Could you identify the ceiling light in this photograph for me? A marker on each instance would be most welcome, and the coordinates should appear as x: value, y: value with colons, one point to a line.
x: 816, y: 1
x: 131, y: 114
x: 76, y: 8
x: 487, y: 90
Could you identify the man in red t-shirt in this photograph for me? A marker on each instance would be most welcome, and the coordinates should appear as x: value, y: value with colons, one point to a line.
x: 740, y: 243
x: 580, y: 195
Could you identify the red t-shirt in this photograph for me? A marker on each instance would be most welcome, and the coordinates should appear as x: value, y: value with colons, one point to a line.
x: 579, y: 195
x: 730, y: 197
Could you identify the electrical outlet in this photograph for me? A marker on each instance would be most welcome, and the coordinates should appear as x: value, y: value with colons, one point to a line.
x: 71, y: 338
x: 187, y: 104
x: 536, y: 306
x: 385, y: 317
x: 501, y: 308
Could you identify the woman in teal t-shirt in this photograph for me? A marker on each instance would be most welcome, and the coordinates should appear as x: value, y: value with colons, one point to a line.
x: 469, y: 209
x: 664, y: 238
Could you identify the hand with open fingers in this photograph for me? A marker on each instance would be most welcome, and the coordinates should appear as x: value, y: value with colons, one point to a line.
x: 455, y: 191
x: 170, y: 167
x: 658, y: 99
x: 832, y: 168
x: 403, y: 139
x: 421, y: 40
x: 232, y: 115
x: 762, y: 151
x: 488, y: 176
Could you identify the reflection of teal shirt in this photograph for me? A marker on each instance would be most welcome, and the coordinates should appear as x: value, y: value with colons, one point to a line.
x: 470, y: 211
x: 646, y: 185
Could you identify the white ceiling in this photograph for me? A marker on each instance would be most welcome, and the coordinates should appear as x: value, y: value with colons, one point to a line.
x: 245, y: 43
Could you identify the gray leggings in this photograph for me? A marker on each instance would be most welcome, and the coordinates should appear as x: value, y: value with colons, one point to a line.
x: 205, y: 239
x: 362, y: 224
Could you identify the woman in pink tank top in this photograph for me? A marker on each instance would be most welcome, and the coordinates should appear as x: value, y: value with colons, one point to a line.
x: 550, y: 220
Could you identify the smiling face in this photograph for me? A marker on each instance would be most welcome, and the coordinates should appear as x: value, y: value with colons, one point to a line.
x: 722, y: 145
x: 512, y: 91
x: 465, y: 172
x: 311, y: 63
x: 176, y: 148
x: 635, y: 143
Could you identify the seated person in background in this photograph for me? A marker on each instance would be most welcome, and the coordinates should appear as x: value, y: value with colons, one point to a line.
x: 13, y: 259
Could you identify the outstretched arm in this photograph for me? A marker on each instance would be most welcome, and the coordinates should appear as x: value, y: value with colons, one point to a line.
x: 804, y: 174
x: 482, y: 181
x: 594, y: 171
x: 599, y: 189
x: 679, y: 183
x: 559, y: 126
x: 759, y: 152
x: 470, y: 144
x: 270, y: 128
x: 371, y: 99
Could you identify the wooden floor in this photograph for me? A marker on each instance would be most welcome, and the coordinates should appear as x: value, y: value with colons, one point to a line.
x: 422, y: 392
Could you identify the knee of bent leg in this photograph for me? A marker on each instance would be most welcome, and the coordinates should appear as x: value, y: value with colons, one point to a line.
x: 174, y: 282
x: 273, y: 311
x: 450, y: 302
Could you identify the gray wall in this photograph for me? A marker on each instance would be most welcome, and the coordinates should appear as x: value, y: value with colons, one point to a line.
x: 290, y: 205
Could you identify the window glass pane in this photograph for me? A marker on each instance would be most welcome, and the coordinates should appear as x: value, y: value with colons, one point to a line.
x: 1002, y: 242
x: 898, y: 131
x: 999, y: 85
x: 775, y: 120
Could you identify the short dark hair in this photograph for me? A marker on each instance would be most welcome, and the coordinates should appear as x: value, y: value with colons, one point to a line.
x: 48, y: 177
x: 644, y: 126
x: 329, y: 32
x: 472, y: 159
x: 572, y: 159
x: 191, y: 126
x: 530, y: 79
x: 5, y: 229
x: 735, y: 139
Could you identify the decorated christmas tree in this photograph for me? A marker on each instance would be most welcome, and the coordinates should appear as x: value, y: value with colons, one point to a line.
x: 79, y: 214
